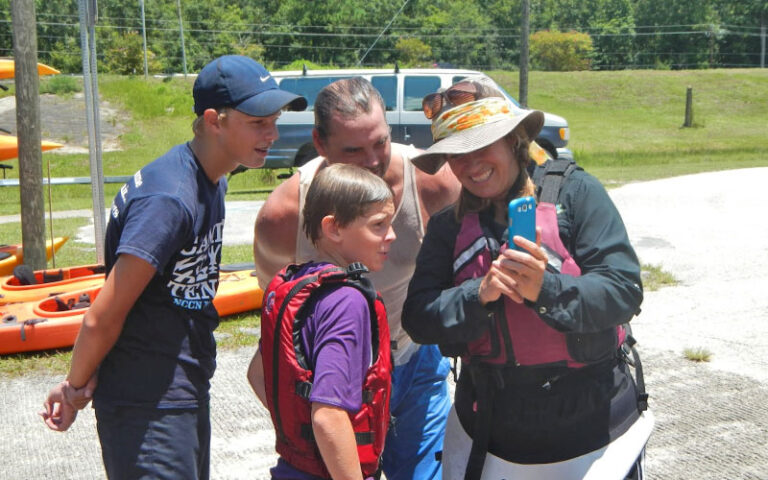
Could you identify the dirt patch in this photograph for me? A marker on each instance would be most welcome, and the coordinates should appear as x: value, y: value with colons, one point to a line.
x: 63, y: 120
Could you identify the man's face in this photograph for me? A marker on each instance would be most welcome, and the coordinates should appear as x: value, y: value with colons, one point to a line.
x: 363, y: 141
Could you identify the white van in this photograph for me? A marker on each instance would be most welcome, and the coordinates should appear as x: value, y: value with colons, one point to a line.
x: 402, y: 91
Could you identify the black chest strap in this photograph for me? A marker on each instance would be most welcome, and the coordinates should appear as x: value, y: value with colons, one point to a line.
x: 549, y: 178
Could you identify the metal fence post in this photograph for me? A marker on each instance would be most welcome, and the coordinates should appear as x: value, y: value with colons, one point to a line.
x: 91, y: 89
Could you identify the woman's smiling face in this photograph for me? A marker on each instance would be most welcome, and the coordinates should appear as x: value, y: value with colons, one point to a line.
x: 489, y: 172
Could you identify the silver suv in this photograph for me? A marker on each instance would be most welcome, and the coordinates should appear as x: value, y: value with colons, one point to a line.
x: 402, y: 90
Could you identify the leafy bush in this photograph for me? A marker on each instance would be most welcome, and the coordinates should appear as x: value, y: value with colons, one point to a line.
x: 60, y: 84
x: 413, y: 52
x: 124, y: 53
x: 301, y: 63
x: 561, y: 51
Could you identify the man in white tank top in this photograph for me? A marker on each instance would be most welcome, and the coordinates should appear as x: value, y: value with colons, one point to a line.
x: 351, y: 128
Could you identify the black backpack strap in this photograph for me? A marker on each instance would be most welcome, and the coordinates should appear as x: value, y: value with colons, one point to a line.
x: 633, y: 359
x: 486, y: 380
x: 550, y: 178
x: 356, y: 277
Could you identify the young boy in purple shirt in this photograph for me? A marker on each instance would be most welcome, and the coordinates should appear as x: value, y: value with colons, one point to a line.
x: 347, y: 216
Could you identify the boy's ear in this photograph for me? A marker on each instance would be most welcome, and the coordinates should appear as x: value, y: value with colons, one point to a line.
x: 212, y: 118
x: 330, y: 228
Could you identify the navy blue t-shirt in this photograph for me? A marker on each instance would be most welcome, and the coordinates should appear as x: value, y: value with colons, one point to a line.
x: 172, y: 216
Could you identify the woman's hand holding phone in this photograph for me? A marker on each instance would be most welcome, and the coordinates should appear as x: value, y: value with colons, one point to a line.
x: 525, y: 267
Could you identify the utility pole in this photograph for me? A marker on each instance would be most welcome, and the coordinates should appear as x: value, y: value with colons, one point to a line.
x: 523, y: 97
x: 29, y: 135
x: 144, y: 37
x: 181, y: 32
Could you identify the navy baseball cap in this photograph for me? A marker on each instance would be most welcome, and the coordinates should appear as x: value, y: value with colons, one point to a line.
x: 243, y: 84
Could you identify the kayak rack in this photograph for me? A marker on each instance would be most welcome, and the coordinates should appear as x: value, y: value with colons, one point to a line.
x: 14, y: 182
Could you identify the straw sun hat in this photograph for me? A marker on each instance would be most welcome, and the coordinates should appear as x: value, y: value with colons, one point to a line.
x: 475, y: 125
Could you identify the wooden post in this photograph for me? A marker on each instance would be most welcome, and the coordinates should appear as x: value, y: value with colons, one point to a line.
x: 524, y: 24
x: 688, y: 107
x: 762, y: 41
x: 29, y: 135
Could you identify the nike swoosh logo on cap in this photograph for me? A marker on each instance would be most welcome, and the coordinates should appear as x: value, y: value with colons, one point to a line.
x: 264, y: 78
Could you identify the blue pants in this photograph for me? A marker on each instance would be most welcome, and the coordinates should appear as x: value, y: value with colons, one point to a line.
x: 419, y: 407
x: 143, y: 443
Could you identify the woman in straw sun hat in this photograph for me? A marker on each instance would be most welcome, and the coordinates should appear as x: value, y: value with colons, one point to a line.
x: 545, y: 390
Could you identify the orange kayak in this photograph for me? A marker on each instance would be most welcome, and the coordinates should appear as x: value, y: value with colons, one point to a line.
x: 238, y: 292
x: 12, y: 255
x: 50, y: 282
x: 8, y: 69
x: 9, y: 147
x: 45, y: 324
x: 55, y: 321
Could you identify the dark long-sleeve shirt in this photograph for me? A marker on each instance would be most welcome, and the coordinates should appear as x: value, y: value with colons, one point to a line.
x: 607, y: 293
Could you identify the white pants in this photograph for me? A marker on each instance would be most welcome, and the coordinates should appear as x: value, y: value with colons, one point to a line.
x: 610, y: 462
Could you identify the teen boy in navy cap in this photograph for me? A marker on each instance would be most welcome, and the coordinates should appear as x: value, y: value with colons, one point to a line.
x: 146, y: 350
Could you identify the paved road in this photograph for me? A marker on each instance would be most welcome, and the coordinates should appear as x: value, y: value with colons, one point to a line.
x: 712, y: 418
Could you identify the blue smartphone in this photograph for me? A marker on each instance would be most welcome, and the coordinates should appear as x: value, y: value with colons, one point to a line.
x: 522, y: 220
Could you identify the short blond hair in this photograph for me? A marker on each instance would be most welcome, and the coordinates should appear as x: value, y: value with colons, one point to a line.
x: 344, y: 191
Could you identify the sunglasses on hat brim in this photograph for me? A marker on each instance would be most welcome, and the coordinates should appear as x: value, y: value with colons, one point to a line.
x: 458, y: 94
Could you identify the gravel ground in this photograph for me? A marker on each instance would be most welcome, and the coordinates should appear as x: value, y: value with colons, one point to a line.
x: 711, y: 418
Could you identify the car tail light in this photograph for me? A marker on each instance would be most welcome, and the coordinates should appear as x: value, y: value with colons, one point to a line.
x: 565, y: 134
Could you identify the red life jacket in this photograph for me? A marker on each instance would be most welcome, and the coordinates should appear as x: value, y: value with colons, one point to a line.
x: 517, y: 335
x: 288, y: 376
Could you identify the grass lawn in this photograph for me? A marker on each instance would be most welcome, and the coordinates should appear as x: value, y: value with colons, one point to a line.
x: 625, y: 127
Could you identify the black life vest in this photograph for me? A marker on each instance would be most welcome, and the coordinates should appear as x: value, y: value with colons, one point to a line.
x: 288, y: 375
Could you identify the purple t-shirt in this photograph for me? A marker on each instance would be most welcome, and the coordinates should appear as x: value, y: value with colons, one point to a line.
x: 337, y: 341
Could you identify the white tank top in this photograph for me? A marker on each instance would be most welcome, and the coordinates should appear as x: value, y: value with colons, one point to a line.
x: 392, y: 281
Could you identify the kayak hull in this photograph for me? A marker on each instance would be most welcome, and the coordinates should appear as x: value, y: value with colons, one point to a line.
x: 8, y: 69
x: 17, y: 254
x: 9, y: 146
x: 67, y: 279
x: 39, y: 325
x: 238, y: 292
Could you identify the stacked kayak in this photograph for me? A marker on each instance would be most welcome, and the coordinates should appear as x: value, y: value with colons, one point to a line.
x: 13, y: 255
x: 54, y: 321
x: 50, y: 323
x: 9, y: 146
x: 8, y: 69
x: 48, y: 283
x: 238, y: 291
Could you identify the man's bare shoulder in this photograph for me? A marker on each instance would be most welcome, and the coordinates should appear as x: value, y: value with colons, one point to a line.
x: 439, y: 190
x: 278, y: 217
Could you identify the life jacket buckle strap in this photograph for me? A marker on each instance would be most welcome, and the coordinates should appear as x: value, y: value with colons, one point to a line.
x: 303, y: 389
x: 356, y: 269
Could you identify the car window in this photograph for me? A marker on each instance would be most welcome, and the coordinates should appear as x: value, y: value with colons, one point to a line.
x: 458, y: 78
x: 387, y: 86
x: 414, y: 90
x: 307, y: 87
x: 510, y: 97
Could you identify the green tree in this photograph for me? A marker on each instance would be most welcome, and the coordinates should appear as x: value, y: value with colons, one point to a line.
x: 459, y: 32
x: 690, y: 41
